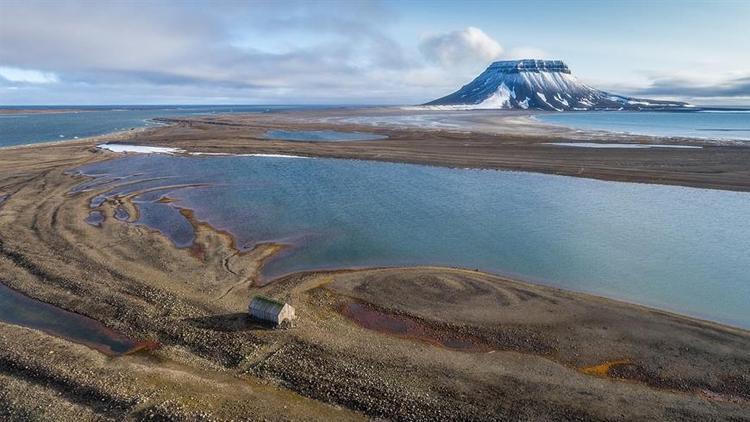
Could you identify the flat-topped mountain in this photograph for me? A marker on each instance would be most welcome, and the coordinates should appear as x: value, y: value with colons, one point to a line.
x: 542, y: 85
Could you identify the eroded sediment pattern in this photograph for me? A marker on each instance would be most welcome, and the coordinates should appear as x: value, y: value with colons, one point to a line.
x: 533, y: 344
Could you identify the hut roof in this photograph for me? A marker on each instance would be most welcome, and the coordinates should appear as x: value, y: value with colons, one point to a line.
x: 262, y: 300
x: 270, y: 310
x: 265, y: 307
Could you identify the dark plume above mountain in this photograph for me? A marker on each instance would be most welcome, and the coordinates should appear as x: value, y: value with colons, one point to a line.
x: 542, y: 85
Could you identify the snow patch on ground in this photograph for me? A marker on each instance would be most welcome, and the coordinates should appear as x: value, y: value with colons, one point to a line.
x: 140, y: 149
x: 447, y: 107
x: 631, y: 146
x: 226, y: 154
x: 269, y: 155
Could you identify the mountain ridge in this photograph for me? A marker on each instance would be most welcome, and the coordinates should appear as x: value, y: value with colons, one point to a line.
x: 541, y: 85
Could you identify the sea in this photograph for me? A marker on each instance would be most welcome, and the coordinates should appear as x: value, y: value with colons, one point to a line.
x: 30, y: 128
x: 710, y: 124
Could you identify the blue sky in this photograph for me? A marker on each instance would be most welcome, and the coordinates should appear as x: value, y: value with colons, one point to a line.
x: 360, y: 52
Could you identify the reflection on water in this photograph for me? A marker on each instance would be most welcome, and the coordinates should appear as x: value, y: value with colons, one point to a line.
x: 678, y: 248
x: 18, y: 309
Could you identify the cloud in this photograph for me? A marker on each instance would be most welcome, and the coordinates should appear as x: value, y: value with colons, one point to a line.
x: 738, y: 86
x: 259, y: 51
x: 14, y: 74
x: 459, y: 47
x: 292, y: 51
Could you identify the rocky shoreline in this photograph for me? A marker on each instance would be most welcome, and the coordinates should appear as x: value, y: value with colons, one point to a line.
x: 538, y: 343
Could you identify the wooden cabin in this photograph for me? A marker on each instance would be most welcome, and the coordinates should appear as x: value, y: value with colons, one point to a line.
x: 270, y: 310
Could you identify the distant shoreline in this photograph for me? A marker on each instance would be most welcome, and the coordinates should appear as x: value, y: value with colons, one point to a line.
x: 108, y: 136
x: 503, y: 141
x: 507, y: 141
x: 19, y: 111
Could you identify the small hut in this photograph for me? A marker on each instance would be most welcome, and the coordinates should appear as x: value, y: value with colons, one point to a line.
x: 270, y: 310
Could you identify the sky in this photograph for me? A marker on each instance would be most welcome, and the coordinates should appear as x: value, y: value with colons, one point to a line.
x: 361, y: 52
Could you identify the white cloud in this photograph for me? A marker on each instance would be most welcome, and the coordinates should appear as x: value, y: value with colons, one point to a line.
x: 160, y: 49
x: 14, y: 74
x: 459, y: 47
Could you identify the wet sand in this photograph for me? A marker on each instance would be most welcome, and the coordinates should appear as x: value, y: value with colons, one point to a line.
x: 465, y: 345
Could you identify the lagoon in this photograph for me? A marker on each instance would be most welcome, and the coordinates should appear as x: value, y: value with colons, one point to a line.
x: 676, y: 248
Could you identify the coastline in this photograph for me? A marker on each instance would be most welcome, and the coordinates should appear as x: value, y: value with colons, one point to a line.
x: 118, y: 135
x: 145, y: 134
x: 513, y: 142
x: 278, y: 246
x: 193, y: 301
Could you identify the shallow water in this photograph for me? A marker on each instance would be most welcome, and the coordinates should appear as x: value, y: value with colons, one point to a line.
x: 677, y: 248
x: 723, y: 125
x: 22, y: 310
x: 121, y: 214
x: 321, y: 135
x: 95, y: 218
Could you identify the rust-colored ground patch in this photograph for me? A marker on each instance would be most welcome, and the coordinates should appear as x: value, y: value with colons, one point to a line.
x: 603, y: 369
x: 403, y: 326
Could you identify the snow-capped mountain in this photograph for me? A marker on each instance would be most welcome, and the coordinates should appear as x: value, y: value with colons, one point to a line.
x: 542, y: 85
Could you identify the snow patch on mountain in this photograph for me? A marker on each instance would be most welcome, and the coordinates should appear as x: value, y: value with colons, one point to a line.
x: 500, y: 99
x: 544, y: 85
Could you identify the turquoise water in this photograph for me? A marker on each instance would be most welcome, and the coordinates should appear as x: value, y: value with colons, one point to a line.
x: 676, y: 248
x: 321, y: 135
x: 719, y: 124
x: 33, y: 128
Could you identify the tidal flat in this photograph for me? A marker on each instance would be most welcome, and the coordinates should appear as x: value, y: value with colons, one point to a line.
x: 653, y: 244
x: 478, y: 346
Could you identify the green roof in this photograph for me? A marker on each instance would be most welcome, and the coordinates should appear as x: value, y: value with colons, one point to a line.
x: 269, y: 301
